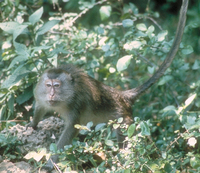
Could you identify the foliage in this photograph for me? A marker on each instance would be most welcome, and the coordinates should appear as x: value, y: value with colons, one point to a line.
x: 99, y: 151
x: 9, y: 147
x: 117, y: 44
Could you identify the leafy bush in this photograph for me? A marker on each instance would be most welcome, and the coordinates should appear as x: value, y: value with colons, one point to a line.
x: 116, y: 44
x: 9, y: 147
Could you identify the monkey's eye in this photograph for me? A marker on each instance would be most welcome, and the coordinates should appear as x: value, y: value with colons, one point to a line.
x: 57, y: 85
x: 48, y: 85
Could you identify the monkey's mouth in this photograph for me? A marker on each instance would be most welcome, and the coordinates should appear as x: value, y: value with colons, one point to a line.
x: 53, y: 102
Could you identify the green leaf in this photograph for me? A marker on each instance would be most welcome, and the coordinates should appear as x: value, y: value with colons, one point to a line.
x: 150, y: 31
x: 120, y: 120
x: 115, y: 126
x: 28, y: 93
x: 18, y: 30
x: 35, y: 17
x: 168, y: 167
x: 151, y: 69
x: 82, y: 35
x: 129, y: 8
x: 195, y: 65
x: 11, y: 102
x: 93, y: 162
x: 66, y: 147
x: 89, y: 125
x: 17, y: 60
x: 99, y: 127
x: 197, y: 103
x: 164, y: 154
x: 187, y: 50
x: 145, y: 129
x: 109, y: 143
x: 161, y: 35
x: 21, y: 49
x: 39, y: 48
x: 53, y: 147
x: 47, y: 26
x: 136, y: 119
x: 131, y: 130
x: 2, y: 138
x: 9, y: 27
x: 133, y: 45
x: 127, y: 171
x: 165, y: 79
x: 142, y: 151
x: 105, y: 12
x: 195, y: 162
x: 16, y: 76
x: 127, y: 23
x: 124, y: 62
x: 2, y: 111
x: 141, y: 27
x: 100, y: 30
x: 154, y: 166
x: 133, y: 8
x: 169, y: 108
x: 105, y: 47
x: 3, y: 91
x: 185, y: 67
x: 191, y: 120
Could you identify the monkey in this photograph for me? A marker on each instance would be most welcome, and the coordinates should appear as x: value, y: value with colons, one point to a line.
x: 79, y: 98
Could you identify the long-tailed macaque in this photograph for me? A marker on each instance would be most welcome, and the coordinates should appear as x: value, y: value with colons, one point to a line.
x: 80, y: 99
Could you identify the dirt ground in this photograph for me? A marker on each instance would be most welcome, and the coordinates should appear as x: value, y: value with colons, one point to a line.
x: 48, y: 132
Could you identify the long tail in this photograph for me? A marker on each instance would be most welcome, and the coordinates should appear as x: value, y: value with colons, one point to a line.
x: 136, y: 92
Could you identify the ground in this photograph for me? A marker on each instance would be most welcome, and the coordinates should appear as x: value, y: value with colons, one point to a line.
x: 48, y: 132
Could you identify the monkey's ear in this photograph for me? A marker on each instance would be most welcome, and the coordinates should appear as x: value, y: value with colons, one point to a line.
x: 69, y: 77
x: 65, y: 76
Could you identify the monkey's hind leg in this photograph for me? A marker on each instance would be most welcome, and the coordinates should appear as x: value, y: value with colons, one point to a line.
x: 65, y: 139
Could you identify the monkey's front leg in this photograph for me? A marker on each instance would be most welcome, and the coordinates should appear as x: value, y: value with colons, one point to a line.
x: 65, y: 139
x: 38, y: 115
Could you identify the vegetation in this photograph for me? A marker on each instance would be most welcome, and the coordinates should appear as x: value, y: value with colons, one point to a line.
x: 118, y: 43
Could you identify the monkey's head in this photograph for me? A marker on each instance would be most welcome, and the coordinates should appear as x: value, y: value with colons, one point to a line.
x: 54, y: 88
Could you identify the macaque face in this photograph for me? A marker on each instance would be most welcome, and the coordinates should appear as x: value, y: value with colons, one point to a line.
x: 52, y: 87
x: 54, y: 90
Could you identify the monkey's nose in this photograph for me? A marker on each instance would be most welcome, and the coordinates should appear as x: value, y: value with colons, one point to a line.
x: 51, y: 97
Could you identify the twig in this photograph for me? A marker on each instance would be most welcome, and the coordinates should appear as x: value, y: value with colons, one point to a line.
x: 84, y: 11
x: 149, y: 62
x: 156, y: 23
x: 176, y: 139
x: 17, y: 121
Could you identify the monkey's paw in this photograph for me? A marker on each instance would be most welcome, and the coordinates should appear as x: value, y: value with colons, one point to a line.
x: 31, y: 125
x: 48, y: 167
